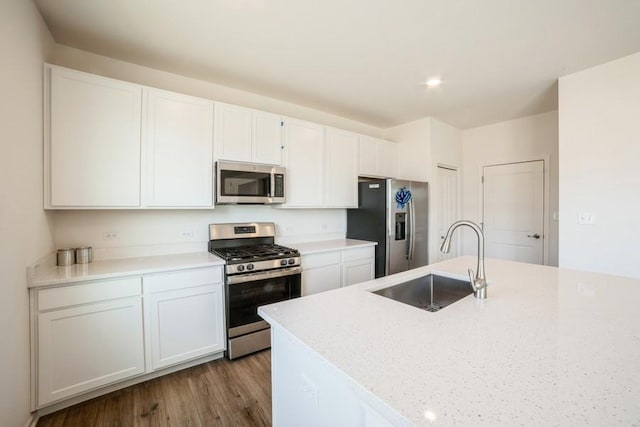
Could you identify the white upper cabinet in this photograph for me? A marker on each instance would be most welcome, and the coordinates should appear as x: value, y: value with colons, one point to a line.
x: 377, y: 158
x: 267, y: 138
x: 322, y: 166
x: 178, y: 147
x: 341, y: 169
x: 233, y: 133
x: 304, y: 162
x: 246, y: 135
x: 92, y: 149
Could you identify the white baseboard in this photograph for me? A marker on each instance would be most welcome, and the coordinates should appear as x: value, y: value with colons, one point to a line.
x: 31, y: 420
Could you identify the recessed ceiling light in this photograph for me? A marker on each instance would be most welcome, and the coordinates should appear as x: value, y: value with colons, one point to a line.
x: 434, y: 82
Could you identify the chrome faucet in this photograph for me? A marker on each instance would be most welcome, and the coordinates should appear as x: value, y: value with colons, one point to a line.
x: 479, y: 283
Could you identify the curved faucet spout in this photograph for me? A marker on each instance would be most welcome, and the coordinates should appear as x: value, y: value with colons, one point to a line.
x: 479, y: 283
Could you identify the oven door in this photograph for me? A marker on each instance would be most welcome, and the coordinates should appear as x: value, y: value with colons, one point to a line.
x: 249, y: 183
x: 247, y: 292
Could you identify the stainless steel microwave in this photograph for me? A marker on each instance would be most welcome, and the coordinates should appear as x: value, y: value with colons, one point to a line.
x: 248, y: 183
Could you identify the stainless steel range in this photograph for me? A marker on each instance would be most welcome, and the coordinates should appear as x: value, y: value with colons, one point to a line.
x: 257, y: 272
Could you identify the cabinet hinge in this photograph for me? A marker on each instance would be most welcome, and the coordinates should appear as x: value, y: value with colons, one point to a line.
x: 281, y: 123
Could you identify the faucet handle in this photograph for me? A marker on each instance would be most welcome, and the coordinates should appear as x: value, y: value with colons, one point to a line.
x: 472, y: 278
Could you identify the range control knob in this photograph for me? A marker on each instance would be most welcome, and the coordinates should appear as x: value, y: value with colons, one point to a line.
x: 291, y: 261
x: 283, y: 262
x: 249, y: 267
x: 241, y: 267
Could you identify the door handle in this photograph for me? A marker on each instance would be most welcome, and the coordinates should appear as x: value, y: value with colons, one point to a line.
x: 535, y: 236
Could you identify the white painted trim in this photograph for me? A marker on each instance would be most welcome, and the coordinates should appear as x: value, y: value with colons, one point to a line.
x: 32, y: 420
x: 546, y: 213
x: 458, y: 237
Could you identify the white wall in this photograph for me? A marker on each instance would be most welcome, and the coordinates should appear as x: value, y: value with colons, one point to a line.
x: 24, y: 229
x: 138, y: 231
x: 150, y: 232
x: 527, y: 138
x: 599, y: 118
x: 422, y: 146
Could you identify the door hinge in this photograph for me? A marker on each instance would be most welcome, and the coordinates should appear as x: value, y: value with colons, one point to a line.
x: 281, y: 123
x: 482, y: 179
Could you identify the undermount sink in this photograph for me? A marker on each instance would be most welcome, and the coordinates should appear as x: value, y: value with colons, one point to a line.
x: 431, y: 292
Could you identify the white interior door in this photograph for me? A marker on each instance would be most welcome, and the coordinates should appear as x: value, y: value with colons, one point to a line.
x: 447, y: 208
x: 513, y: 211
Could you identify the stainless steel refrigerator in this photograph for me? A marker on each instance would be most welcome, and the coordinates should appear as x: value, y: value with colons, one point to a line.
x: 401, y: 231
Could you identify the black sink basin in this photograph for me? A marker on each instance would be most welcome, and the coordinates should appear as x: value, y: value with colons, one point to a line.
x: 431, y: 292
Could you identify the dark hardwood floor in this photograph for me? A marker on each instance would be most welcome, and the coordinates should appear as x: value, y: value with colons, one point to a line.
x: 218, y: 393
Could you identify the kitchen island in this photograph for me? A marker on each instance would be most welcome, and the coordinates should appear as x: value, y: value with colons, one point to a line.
x: 548, y: 346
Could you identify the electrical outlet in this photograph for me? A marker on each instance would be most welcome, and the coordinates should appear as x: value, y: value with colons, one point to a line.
x: 110, y: 235
x: 310, y: 390
x: 586, y: 218
x: 187, y: 235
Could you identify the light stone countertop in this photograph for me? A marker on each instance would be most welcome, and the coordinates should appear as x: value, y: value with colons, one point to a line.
x: 548, y: 346
x: 47, y: 273
x: 308, y: 248
x: 50, y: 275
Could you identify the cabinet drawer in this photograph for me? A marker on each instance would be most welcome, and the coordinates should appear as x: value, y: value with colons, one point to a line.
x: 358, y: 253
x: 88, y: 292
x: 182, y: 279
x: 321, y: 259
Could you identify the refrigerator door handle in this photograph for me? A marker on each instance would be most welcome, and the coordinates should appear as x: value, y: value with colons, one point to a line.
x: 412, y: 231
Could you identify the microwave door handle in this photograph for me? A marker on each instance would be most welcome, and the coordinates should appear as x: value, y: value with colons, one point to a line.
x: 272, y: 184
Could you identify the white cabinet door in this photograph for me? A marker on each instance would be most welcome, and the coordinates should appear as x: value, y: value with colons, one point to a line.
x: 321, y: 272
x: 93, y: 147
x: 357, y: 271
x: 179, y: 150
x: 185, y: 324
x: 304, y: 160
x: 387, y: 159
x: 233, y: 133
x: 320, y: 279
x: 267, y: 138
x: 185, y: 312
x: 368, y: 156
x: 246, y: 135
x: 85, y: 347
x: 377, y: 158
x: 341, y: 169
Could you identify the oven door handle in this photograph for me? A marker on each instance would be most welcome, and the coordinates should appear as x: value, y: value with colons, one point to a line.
x: 261, y: 275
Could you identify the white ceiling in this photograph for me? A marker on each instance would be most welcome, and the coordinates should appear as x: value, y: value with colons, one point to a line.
x: 364, y: 59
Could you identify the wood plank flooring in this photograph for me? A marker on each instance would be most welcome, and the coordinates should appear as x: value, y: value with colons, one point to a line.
x: 218, y: 393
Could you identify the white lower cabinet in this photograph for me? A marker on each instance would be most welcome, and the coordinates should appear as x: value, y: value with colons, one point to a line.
x: 83, y: 347
x: 357, y: 271
x: 342, y: 267
x: 358, y: 265
x: 321, y: 272
x: 91, y: 335
x: 186, y: 315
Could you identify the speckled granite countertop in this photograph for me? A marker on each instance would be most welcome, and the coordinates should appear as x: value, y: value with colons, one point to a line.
x: 548, y: 346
